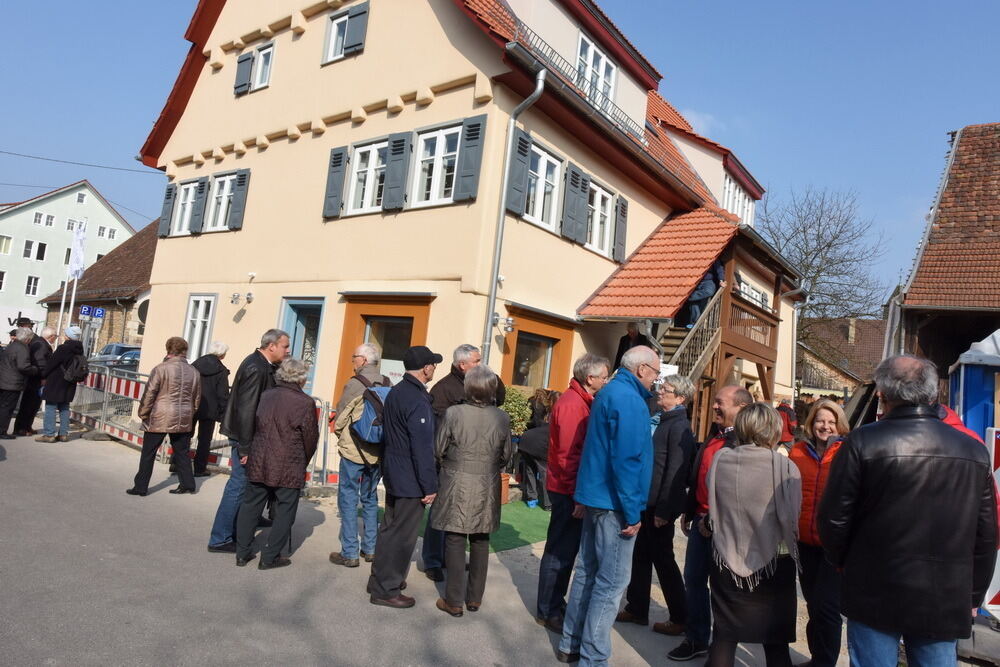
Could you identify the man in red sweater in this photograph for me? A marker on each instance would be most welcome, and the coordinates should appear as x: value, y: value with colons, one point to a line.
x: 567, y: 430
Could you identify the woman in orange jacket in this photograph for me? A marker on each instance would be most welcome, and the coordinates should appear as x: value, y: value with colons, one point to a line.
x: 825, y: 427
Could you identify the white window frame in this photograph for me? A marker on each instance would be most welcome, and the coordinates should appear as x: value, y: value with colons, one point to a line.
x: 437, y: 167
x: 258, y: 80
x: 594, y: 243
x: 81, y: 197
x: 6, y: 243
x: 50, y: 220
x: 372, y: 202
x: 585, y: 71
x: 219, y: 203
x: 112, y: 233
x: 181, y: 223
x: 38, y: 218
x: 537, y: 215
x: 29, y: 249
x: 101, y: 231
x: 30, y: 290
x: 70, y: 224
x: 198, y: 321
x: 333, y: 26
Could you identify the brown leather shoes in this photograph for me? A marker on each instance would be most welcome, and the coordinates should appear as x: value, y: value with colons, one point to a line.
x: 448, y: 609
x: 669, y: 628
x: 399, y: 602
x: 628, y: 617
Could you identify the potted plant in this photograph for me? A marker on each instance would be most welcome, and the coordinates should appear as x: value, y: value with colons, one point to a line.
x: 516, y: 406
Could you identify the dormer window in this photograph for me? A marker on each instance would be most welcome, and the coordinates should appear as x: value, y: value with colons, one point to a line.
x: 595, y: 72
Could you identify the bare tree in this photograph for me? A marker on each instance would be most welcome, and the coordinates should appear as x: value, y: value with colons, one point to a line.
x: 822, y: 234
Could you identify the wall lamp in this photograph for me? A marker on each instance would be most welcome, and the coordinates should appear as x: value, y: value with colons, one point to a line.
x: 504, y: 323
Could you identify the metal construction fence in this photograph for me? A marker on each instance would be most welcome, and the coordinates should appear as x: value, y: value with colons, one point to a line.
x: 108, y: 401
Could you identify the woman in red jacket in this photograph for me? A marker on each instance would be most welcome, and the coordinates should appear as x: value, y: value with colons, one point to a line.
x: 825, y: 427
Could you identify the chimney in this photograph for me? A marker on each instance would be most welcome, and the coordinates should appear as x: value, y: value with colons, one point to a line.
x: 852, y: 330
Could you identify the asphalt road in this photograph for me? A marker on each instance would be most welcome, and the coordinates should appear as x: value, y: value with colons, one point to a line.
x: 90, y: 575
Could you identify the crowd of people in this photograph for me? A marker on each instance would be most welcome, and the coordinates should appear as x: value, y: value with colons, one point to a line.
x: 893, y: 525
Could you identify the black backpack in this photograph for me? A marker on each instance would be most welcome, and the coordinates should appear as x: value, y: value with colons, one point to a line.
x: 76, y: 369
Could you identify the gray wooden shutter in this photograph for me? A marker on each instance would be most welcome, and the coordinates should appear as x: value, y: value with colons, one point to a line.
x: 396, y: 168
x: 470, y: 158
x: 244, y: 65
x: 621, y: 228
x: 239, y: 204
x: 577, y: 191
x: 517, y: 172
x: 167, y: 212
x: 198, y: 210
x: 335, y: 175
x: 357, y: 28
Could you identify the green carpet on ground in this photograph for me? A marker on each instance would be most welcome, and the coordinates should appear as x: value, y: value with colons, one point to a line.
x: 519, y: 526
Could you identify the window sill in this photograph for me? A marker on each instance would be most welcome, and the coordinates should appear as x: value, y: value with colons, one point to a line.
x: 598, y: 252
x: 541, y: 225
x: 263, y: 87
x: 431, y: 204
x: 357, y: 213
x: 335, y: 59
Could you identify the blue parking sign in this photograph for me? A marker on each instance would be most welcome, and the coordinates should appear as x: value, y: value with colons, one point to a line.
x: 98, y: 313
x: 85, y: 310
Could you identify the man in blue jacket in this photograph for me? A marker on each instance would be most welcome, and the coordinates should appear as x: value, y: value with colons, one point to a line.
x: 613, y: 486
x: 409, y: 474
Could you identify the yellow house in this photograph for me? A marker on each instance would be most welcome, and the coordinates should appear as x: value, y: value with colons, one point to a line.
x: 435, y: 172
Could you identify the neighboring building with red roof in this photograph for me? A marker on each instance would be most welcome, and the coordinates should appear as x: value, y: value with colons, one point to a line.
x: 342, y: 170
x: 840, y: 354
x: 952, y: 296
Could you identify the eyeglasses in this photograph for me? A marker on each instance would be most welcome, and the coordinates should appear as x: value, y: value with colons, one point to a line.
x: 655, y: 370
x: 355, y: 356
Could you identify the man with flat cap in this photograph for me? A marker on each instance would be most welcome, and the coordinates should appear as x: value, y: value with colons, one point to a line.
x: 409, y: 475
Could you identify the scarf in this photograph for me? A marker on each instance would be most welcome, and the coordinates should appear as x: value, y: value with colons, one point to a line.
x: 754, y: 499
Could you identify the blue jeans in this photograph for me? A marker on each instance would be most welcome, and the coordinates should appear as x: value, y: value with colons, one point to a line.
x: 697, y: 565
x: 603, y: 568
x: 49, y: 421
x: 224, y: 526
x: 869, y: 647
x: 355, y: 486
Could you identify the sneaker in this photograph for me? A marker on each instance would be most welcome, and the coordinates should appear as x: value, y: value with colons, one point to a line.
x: 532, y: 504
x: 46, y: 438
x: 369, y: 558
x: 338, y: 559
x: 63, y: 438
x: 687, y: 651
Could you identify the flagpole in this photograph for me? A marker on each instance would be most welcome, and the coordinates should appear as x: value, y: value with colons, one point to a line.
x: 72, y: 301
x: 62, y: 306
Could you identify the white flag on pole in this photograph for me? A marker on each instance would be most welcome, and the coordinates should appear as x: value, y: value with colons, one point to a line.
x: 76, y: 255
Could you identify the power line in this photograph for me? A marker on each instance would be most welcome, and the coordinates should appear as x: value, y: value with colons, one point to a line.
x: 82, y: 164
x: 54, y: 187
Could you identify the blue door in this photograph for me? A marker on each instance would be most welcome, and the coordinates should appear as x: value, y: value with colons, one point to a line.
x: 302, y: 320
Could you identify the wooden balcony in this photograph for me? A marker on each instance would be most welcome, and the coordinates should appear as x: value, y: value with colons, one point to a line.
x: 749, y: 327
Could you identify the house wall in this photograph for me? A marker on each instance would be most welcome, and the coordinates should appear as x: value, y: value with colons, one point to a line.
x: 707, y: 163
x: 18, y: 224
x: 561, y: 31
x: 445, y: 251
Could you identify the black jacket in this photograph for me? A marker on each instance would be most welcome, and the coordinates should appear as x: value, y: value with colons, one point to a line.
x: 254, y: 376
x: 16, y: 366
x: 56, y: 389
x: 40, y: 353
x: 909, y: 514
x: 535, y: 443
x: 450, y: 390
x: 625, y: 344
x: 214, y: 387
x: 409, y: 469
x: 673, y: 453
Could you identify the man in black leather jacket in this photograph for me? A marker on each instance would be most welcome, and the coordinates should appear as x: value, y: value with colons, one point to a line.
x: 909, y: 515
x: 254, y: 376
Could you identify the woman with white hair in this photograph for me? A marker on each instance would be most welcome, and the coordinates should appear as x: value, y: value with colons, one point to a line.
x: 214, y: 396
x: 284, y: 441
x: 15, y: 368
x: 58, y: 392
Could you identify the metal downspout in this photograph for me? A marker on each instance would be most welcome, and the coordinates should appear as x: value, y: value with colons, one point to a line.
x: 491, y: 302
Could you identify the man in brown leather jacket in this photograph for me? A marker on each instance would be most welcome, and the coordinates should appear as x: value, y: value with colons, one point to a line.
x: 172, y: 395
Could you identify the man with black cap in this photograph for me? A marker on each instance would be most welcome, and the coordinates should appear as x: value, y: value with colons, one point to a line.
x: 409, y: 475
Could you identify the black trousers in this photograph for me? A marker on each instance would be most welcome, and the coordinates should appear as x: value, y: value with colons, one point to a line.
x: 456, y: 588
x: 285, y: 503
x: 31, y: 400
x: 397, y: 537
x: 561, y: 544
x: 206, y: 427
x: 821, y: 588
x: 8, y: 403
x: 723, y: 654
x: 181, y: 442
x: 654, y: 548
x: 533, y: 477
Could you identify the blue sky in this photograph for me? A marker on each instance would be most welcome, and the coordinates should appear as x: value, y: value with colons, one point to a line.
x: 848, y: 95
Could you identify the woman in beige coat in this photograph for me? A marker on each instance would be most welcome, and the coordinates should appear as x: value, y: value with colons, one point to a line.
x: 473, y: 446
x: 172, y: 395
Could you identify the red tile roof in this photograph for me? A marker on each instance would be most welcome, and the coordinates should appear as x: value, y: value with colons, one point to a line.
x: 662, y: 110
x: 121, y: 274
x: 830, y: 339
x: 659, y: 276
x: 958, y: 264
x: 663, y: 148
